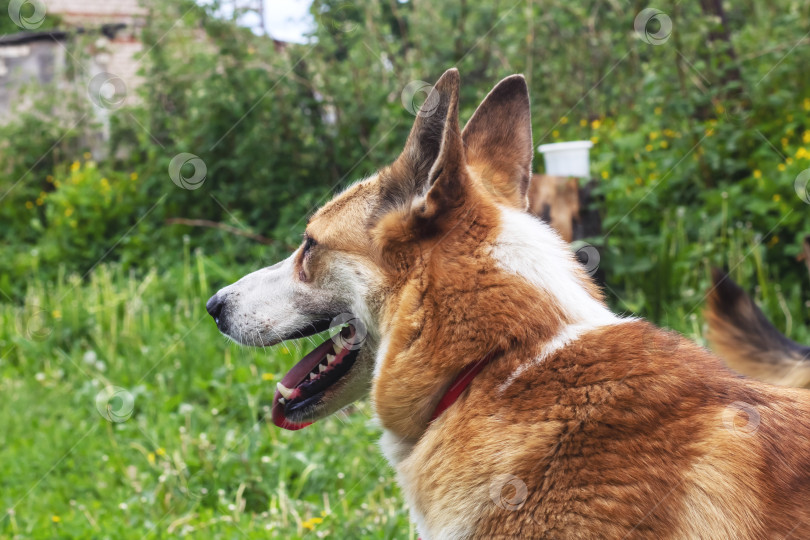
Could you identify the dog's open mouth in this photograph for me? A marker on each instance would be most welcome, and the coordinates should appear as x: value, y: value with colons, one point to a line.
x: 306, y: 383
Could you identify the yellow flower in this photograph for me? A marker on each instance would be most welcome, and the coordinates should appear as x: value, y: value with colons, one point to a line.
x: 653, y: 135
x: 56, y: 314
x: 784, y: 142
x: 29, y: 205
x: 709, y: 132
x: 56, y: 519
x: 583, y: 122
x: 68, y: 211
x: 564, y: 120
x: 150, y: 457
x: 268, y: 376
x: 57, y: 183
x: 781, y: 167
x: 75, y: 166
x: 604, y: 174
x: 757, y: 174
x: 105, y: 183
x: 773, y: 241
x: 87, y: 155
x: 664, y: 144
x: 802, y: 153
x: 806, y: 104
x: 40, y: 201
x: 133, y: 176
x: 658, y: 111
x: 160, y: 451
x: 777, y: 197
x: 49, y: 179
x: 555, y: 133
x: 806, y: 137
x: 639, y: 181
x: 595, y: 124
x: 648, y: 148
x: 789, y: 160
x: 594, y: 140
x: 720, y: 109
x: 311, y: 522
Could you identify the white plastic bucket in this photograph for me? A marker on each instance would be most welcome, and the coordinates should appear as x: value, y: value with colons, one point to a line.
x: 570, y: 158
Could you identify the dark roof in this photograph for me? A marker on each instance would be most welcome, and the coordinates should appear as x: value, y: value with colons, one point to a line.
x: 20, y: 38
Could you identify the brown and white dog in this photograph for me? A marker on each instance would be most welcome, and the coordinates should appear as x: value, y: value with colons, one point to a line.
x: 513, y: 402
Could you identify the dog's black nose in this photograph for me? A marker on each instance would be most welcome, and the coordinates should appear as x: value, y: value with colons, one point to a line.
x: 214, y: 307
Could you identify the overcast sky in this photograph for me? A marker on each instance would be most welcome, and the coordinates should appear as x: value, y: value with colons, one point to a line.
x: 288, y: 20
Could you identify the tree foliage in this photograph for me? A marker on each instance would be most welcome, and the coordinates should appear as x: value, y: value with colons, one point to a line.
x: 700, y: 130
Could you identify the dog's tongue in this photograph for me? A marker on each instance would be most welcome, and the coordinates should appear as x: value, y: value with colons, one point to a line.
x: 293, y: 378
x: 299, y: 371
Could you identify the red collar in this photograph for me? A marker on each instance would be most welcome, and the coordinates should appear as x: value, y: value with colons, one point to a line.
x: 460, y: 383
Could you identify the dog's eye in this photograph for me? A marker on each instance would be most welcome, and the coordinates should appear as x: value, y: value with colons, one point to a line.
x: 309, y: 242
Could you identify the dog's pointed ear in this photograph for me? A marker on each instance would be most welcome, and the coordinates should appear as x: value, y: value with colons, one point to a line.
x: 447, y: 179
x: 498, y: 140
x: 433, y: 143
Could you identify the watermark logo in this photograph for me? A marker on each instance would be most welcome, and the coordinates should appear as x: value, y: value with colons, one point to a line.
x: 115, y: 404
x: 508, y: 491
x: 107, y: 90
x: 341, y: 17
x: 741, y: 418
x: 418, y: 100
x: 36, y: 326
x: 802, y: 186
x: 180, y: 171
x: 351, y: 339
x: 27, y: 14
x: 653, y: 26
x: 589, y: 257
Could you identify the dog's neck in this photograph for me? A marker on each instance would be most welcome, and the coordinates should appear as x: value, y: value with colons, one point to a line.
x: 513, y: 286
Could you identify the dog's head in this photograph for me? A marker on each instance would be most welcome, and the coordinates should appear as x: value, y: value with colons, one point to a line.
x: 361, y: 248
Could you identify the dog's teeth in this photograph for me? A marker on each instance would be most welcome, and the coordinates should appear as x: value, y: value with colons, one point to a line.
x: 284, y: 391
x: 321, y: 368
x: 312, y: 376
x: 337, y: 348
x: 330, y: 358
x: 282, y: 400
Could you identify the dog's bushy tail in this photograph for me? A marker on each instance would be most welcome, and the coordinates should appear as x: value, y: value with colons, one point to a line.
x: 741, y: 334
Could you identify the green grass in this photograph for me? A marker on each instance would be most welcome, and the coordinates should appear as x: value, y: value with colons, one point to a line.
x: 196, y: 455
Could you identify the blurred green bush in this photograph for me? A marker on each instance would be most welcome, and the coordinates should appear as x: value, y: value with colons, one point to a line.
x: 698, y: 139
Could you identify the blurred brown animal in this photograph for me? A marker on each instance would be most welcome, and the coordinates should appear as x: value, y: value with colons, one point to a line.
x: 555, y: 199
x: 741, y: 334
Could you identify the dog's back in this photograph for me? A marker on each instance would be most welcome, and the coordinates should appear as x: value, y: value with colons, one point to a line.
x: 741, y: 334
x: 660, y: 441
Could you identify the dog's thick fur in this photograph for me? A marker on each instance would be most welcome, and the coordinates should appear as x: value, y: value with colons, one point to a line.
x: 742, y: 335
x: 584, y: 424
